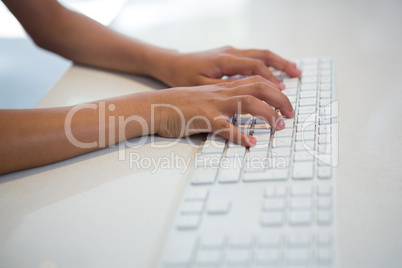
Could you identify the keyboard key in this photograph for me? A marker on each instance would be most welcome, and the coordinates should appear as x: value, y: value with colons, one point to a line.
x: 192, y: 207
x: 288, y: 122
x: 262, y: 145
x: 324, y: 139
x: 234, y: 145
x: 325, y: 80
x: 306, y: 118
x: 308, y: 87
x: 325, y: 87
x: 310, y: 73
x: 298, y: 257
x: 218, y: 207
x: 305, y: 145
x: 310, y: 61
x: 324, y: 203
x: 213, y: 147
x: 236, y: 152
x: 290, y: 91
x: 280, y: 152
x: 310, y: 67
x: 188, y: 221
x: 268, y: 257
x: 324, y: 149
x: 324, y: 160
x: 299, y: 240
x: 179, y: 253
x: 300, y: 218
x: 238, y: 258
x: 305, y: 136
x: 272, y: 218
x: 307, y: 102
x: 309, y: 80
x: 212, y: 242
x: 324, y: 218
x: 229, y: 175
x: 305, y: 128
x: 307, y: 110
x: 291, y: 82
x: 197, y: 195
x: 278, y: 191
x: 308, y: 94
x: 241, y: 242
x: 279, y: 143
x: 274, y: 204
x: 303, y: 170
x: 324, y: 240
x: 325, y: 102
x: 204, y: 175
x: 324, y: 190
x: 324, y: 256
x: 324, y: 129
x: 207, y: 160
x: 268, y: 241
x: 325, y: 94
x: 324, y: 172
x: 208, y: 257
x: 326, y: 66
x: 303, y: 156
x: 302, y: 190
x: 325, y: 72
x: 301, y: 204
x: 262, y: 136
x: 284, y: 133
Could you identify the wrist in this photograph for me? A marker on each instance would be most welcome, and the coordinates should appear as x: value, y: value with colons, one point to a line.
x: 155, y: 62
x: 163, y: 62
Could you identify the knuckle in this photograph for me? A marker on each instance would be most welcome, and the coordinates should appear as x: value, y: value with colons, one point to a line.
x: 223, y: 57
x: 221, y: 124
x: 247, y: 100
x: 267, y: 52
x: 260, y: 85
x: 228, y: 48
x: 258, y: 78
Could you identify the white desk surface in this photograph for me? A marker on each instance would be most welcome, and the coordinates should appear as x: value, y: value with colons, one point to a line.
x: 96, y: 211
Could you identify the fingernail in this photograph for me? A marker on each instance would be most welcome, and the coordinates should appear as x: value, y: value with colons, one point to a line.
x: 282, y: 86
x: 292, y: 113
x: 281, y: 124
x: 252, y: 141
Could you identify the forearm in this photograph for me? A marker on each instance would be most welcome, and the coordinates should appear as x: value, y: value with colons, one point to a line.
x: 36, y: 137
x: 83, y: 40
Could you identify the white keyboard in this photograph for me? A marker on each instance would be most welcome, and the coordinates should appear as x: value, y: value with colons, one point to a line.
x: 272, y: 205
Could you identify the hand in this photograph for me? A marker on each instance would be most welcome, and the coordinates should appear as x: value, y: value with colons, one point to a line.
x: 208, y: 67
x: 207, y: 108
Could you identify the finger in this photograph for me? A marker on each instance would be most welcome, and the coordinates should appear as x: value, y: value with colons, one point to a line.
x: 232, y: 65
x: 265, y: 92
x: 208, y: 81
x: 271, y: 59
x: 247, y: 104
x: 225, y: 129
x: 251, y: 80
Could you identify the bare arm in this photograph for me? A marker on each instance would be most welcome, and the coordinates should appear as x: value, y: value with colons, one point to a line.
x: 36, y: 137
x: 83, y: 40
